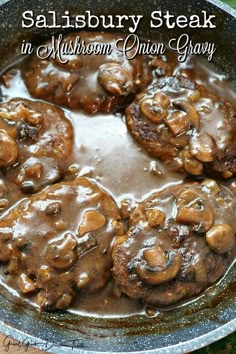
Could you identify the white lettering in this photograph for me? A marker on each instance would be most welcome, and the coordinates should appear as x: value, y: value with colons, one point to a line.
x: 28, y: 16
x: 156, y: 15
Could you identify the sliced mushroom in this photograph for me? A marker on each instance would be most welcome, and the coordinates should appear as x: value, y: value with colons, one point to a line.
x: 211, y: 186
x: 155, y: 217
x: 45, y: 274
x: 155, y: 257
x: 227, y: 174
x: 26, y: 284
x: 177, y: 123
x: 164, y: 269
x: 9, y: 151
x: 191, y: 165
x: 195, y: 96
x: 221, y: 238
x: 92, y: 220
x: 163, y: 99
x: 83, y: 280
x: 193, y: 209
x: 154, y: 109
x: 62, y: 254
x: 32, y: 168
x: 32, y: 117
x: 203, y: 147
x: 115, y: 79
x: 192, y: 115
x: 61, y: 225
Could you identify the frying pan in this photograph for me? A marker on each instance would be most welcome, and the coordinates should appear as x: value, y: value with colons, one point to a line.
x: 181, y: 329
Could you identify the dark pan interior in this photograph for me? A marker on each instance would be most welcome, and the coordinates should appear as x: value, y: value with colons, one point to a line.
x: 182, y: 329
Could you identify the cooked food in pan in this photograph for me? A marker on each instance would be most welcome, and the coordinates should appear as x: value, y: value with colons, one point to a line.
x: 58, y: 242
x: 36, y: 142
x: 183, y: 124
x: 95, y: 83
x: 119, y: 207
x: 180, y: 240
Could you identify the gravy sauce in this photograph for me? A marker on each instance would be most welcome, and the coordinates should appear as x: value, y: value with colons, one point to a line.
x: 106, y: 152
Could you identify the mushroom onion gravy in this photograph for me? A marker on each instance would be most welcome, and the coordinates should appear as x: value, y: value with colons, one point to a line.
x: 117, y: 187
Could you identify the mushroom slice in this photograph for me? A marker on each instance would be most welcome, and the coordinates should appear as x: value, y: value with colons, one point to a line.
x: 62, y: 255
x: 203, y: 147
x: 195, y: 96
x: 211, y: 186
x: 193, y: 209
x: 192, y: 115
x: 177, y: 123
x: 92, y: 220
x: 26, y: 284
x: 191, y: 165
x: 158, y: 267
x: 8, y: 150
x: 154, y: 109
x: 115, y: 79
x: 221, y: 238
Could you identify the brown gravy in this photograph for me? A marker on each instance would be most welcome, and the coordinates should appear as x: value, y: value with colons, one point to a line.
x: 106, y: 152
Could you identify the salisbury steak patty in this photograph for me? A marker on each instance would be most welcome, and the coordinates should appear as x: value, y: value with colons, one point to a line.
x: 183, y: 124
x: 36, y: 142
x: 91, y: 82
x: 180, y: 241
x: 59, y: 241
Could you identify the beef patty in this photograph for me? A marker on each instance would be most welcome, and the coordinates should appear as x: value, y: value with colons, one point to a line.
x: 180, y: 240
x: 181, y: 123
x: 36, y: 142
x: 91, y: 82
x: 59, y: 242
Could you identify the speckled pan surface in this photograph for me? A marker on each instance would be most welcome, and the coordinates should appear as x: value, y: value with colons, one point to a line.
x: 182, y: 329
